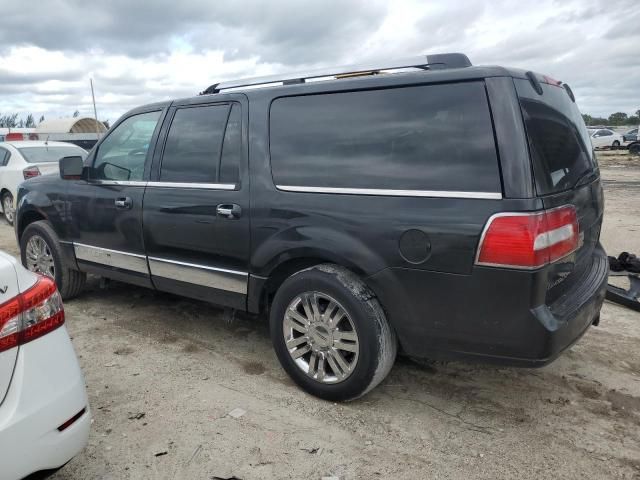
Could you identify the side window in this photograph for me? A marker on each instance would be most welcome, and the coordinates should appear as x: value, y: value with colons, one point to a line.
x: 194, y: 150
x: 4, y: 157
x: 396, y: 139
x: 607, y: 133
x: 232, y: 148
x: 122, y: 155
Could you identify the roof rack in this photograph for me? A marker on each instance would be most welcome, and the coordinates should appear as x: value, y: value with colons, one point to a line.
x: 425, y: 62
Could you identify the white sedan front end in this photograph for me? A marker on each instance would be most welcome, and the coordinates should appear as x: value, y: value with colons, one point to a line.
x: 44, y: 410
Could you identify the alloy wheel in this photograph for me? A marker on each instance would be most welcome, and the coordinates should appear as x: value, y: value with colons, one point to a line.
x: 321, y: 337
x: 7, y: 208
x: 39, y: 257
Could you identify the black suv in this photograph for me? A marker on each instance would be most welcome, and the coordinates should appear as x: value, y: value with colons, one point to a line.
x: 446, y: 210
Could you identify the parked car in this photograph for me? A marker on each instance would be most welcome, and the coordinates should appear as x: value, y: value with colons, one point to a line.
x: 351, y: 213
x: 631, y: 135
x: 44, y: 411
x: 605, y: 138
x: 22, y: 160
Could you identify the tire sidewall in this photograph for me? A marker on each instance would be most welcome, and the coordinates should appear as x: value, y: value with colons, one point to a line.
x: 54, y: 247
x: 362, y: 316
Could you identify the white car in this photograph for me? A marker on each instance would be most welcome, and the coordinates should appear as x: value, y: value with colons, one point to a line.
x: 603, y: 137
x: 20, y: 161
x: 44, y: 410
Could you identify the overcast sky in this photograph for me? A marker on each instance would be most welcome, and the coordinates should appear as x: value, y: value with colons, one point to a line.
x: 143, y: 51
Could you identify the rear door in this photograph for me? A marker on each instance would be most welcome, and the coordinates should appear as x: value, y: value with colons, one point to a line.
x: 565, y: 172
x: 196, y: 207
x: 109, y: 242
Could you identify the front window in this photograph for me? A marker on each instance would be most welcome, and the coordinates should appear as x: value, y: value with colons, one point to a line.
x: 46, y: 154
x: 122, y: 155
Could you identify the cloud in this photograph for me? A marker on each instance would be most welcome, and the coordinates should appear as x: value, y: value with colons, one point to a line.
x: 140, y: 52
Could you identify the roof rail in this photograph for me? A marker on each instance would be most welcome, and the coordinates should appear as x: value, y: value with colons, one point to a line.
x: 426, y: 62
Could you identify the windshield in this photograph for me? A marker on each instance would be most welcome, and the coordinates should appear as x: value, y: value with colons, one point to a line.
x: 559, y: 142
x: 43, y: 154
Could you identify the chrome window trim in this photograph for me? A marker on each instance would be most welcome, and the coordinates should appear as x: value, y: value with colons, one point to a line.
x: 112, y: 258
x: 208, y: 186
x: 127, y: 183
x: 203, y: 275
x: 392, y: 193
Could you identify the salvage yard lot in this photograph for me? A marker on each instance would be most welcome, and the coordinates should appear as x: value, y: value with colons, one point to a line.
x: 163, y: 373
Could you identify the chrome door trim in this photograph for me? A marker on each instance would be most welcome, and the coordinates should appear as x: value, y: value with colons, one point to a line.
x: 124, y: 183
x: 207, y: 186
x: 212, y: 277
x: 392, y: 193
x: 111, y: 258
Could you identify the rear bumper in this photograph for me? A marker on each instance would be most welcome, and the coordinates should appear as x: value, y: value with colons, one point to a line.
x: 46, y: 390
x: 488, y: 316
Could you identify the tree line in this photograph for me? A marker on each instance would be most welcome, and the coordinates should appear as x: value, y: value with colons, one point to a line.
x: 13, y: 120
x: 618, y: 118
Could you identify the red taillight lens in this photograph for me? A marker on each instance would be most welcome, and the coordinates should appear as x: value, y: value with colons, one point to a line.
x: 30, y: 172
x: 529, y: 240
x: 30, y: 315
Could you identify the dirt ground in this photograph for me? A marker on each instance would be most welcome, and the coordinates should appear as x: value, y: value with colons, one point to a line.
x: 164, y: 372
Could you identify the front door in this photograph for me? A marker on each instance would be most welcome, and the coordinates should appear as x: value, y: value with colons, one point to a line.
x: 196, y: 205
x: 110, y: 242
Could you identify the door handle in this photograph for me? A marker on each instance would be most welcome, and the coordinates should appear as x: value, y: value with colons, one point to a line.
x: 124, y: 203
x: 229, y: 210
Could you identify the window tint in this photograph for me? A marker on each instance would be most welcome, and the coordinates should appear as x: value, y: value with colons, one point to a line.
x: 607, y: 133
x: 559, y: 142
x: 436, y: 137
x: 122, y: 155
x: 192, y: 151
x: 232, y: 148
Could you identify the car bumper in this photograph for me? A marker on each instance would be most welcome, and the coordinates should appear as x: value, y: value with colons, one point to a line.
x: 487, y: 316
x: 46, y: 390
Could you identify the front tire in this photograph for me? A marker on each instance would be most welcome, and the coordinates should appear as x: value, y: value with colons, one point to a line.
x: 7, y: 208
x: 331, y: 334
x: 634, y: 149
x: 40, y: 252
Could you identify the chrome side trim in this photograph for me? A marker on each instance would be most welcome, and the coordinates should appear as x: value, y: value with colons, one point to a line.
x: 212, y: 277
x: 125, y: 183
x: 112, y: 258
x: 208, y: 186
x: 392, y: 193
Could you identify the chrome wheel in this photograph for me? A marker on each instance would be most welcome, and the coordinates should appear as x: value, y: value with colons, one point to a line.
x: 320, y: 337
x: 39, y: 257
x: 7, y: 207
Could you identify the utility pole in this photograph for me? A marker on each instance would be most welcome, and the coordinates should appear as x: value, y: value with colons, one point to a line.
x: 95, y: 112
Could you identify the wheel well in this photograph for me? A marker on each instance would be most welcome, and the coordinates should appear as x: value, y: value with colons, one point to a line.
x: 26, y: 220
x: 3, y: 191
x: 284, y: 271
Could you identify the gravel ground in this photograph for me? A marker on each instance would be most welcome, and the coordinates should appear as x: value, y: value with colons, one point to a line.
x: 163, y: 373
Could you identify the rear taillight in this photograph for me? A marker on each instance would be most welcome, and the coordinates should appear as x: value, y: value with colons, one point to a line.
x: 529, y: 240
x: 31, y: 314
x: 30, y: 172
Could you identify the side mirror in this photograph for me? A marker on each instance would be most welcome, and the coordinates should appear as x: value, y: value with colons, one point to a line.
x: 71, y: 168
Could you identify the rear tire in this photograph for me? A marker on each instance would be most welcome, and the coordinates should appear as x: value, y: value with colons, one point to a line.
x: 8, y: 208
x: 615, y: 144
x: 70, y: 282
x: 346, y: 330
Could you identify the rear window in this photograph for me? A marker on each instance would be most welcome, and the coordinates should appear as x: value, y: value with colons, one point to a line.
x: 50, y: 154
x: 436, y: 137
x: 559, y: 142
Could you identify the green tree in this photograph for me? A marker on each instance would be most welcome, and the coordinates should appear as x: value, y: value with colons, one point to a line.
x: 618, y: 118
x: 29, y: 122
x: 41, y: 119
x: 76, y: 114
